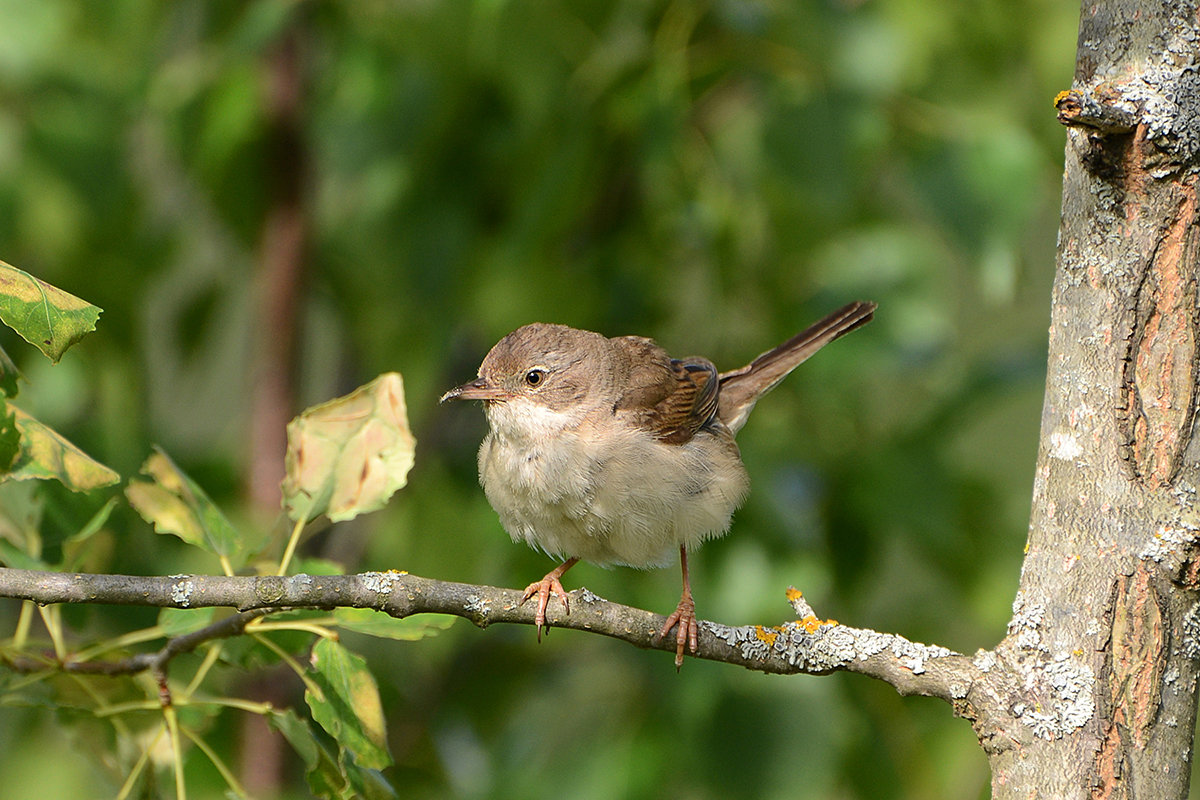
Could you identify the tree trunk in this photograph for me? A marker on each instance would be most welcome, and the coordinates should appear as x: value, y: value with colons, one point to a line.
x: 1101, y: 652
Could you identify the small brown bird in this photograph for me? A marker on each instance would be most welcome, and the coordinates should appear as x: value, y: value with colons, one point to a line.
x: 610, y: 451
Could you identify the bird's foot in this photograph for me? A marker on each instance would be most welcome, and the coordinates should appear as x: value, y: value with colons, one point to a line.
x: 542, y: 589
x: 688, y: 631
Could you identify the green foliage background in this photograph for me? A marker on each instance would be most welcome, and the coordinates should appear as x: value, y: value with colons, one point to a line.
x: 712, y: 174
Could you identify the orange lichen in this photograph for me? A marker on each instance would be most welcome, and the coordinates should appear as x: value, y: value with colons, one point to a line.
x: 764, y: 635
x: 812, y: 623
x: 794, y: 594
x: 1069, y: 106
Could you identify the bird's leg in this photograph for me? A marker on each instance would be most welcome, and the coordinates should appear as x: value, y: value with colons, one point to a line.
x: 543, y: 588
x: 684, y: 617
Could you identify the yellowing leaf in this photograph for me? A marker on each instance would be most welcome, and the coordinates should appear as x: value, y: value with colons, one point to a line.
x: 47, y: 317
x: 173, y: 503
x: 46, y: 455
x: 347, y: 456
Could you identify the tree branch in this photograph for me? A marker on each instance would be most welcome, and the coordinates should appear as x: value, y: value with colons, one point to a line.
x: 156, y: 661
x: 805, y: 646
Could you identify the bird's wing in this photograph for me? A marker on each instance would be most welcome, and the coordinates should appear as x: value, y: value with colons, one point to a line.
x: 671, y: 398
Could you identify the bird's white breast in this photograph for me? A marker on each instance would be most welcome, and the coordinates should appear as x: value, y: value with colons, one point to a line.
x: 606, y: 492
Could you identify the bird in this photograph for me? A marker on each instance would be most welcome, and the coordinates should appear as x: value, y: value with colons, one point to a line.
x: 610, y: 451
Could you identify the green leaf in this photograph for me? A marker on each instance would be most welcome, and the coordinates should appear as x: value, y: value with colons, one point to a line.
x: 20, y: 523
x: 93, y: 525
x: 366, y: 784
x: 178, y: 621
x: 12, y: 556
x: 9, y: 374
x: 46, y: 455
x: 73, y: 545
x: 348, y: 456
x: 321, y: 767
x: 45, y: 316
x: 349, y: 709
x: 385, y: 626
x: 10, y: 438
x: 328, y: 776
x: 174, y: 503
x: 317, y: 566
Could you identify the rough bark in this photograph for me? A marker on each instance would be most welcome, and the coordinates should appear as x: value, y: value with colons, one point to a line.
x: 1103, y: 639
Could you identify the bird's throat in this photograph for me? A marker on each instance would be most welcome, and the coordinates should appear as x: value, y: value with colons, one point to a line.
x: 528, y: 423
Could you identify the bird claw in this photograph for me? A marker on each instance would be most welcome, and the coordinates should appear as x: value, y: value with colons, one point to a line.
x: 542, y: 589
x: 688, y: 630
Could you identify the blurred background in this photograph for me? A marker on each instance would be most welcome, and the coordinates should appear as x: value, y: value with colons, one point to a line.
x: 275, y: 201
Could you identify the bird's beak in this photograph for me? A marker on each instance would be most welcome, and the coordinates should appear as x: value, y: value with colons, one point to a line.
x: 478, y: 389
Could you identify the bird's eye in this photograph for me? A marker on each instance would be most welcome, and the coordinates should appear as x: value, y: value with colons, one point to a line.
x: 535, y: 377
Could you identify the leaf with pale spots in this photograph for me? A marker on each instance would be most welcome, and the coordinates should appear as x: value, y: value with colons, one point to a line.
x: 174, y: 503
x: 46, y: 455
x: 45, y: 316
x: 347, y: 456
x: 348, y: 706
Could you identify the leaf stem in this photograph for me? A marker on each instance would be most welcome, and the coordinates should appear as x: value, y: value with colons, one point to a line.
x: 24, y: 620
x: 127, y: 787
x: 293, y: 540
x: 176, y: 752
x: 52, y: 619
x: 210, y: 658
x: 295, y: 666
x: 229, y: 777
